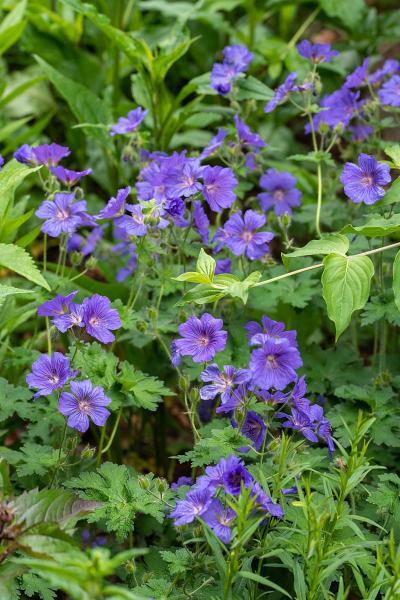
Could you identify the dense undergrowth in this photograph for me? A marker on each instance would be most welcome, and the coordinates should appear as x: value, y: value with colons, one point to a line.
x: 199, y: 300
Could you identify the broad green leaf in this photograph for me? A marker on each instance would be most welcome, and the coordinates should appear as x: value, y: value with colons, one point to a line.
x: 350, y: 14
x: 396, y: 279
x: 12, y: 26
x: 251, y: 88
x: 392, y: 195
x: 393, y: 152
x: 17, y: 259
x: 264, y: 581
x: 376, y: 227
x: 164, y: 61
x: 201, y: 294
x: 9, y: 290
x: 86, y: 106
x: 11, y: 175
x: 206, y: 265
x: 346, y: 283
x: 333, y: 243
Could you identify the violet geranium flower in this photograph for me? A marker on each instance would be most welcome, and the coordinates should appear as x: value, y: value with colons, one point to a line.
x: 281, y: 193
x: 254, y: 428
x: 56, y: 306
x: 222, y: 382
x: 201, y: 221
x: 220, y: 519
x: 235, y: 476
x: 62, y: 215
x: 273, y: 364
x: 130, y: 122
x: 82, y: 402
x: 274, y: 330
x: 316, y: 53
x: 68, y: 177
x: 282, y: 92
x: 246, y: 136
x: 243, y: 237
x: 49, y: 373
x: 115, y: 207
x: 363, y: 182
x: 194, y: 505
x: 218, y: 188
x: 99, y: 318
x: 389, y: 94
x: 201, y: 338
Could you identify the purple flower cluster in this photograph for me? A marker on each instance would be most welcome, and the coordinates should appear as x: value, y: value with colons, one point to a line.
x: 95, y: 314
x: 236, y: 59
x: 207, y: 498
x: 45, y: 154
x: 242, y: 236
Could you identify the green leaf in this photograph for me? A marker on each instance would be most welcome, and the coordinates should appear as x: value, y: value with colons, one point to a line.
x: 12, y: 26
x: 251, y: 88
x: 332, y: 243
x: 396, y: 279
x: 9, y: 290
x: 376, y: 227
x: 11, y: 175
x: 206, y: 265
x: 17, y: 259
x: 85, y: 105
x: 263, y: 581
x: 144, y: 391
x: 393, y: 151
x: 95, y: 364
x: 201, y: 294
x: 346, y: 283
x: 350, y: 14
x: 392, y: 195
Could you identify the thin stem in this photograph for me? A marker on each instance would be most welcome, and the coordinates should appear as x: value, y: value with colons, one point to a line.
x: 114, y: 431
x: 45, y: 252
x: 48, y: 334
x: 319, y: 200
x: 302, y: 29
x: 64, y: 433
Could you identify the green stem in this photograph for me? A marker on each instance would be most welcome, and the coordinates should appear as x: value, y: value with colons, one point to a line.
x: 48, y: 334
x: 302, y: 29
x: 114, y: 431
x: 45, y: 252
x: 319, y: 200
x: 64, y: 433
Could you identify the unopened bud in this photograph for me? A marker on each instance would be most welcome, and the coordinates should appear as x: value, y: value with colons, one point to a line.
x: 144, y: 483
x: 76, y: 259
x: 161, y: 485
x: 152, y: 312
x: 87, y: 452
x: 142, y: 326
x: 91, y: 262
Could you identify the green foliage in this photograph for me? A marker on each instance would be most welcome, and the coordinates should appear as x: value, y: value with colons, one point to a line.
x: 142, y: 390
x: 17, y: 259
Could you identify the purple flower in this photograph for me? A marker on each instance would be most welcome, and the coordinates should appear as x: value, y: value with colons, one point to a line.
x: 175, y: 355
x: 82, y: 402
x: 129, y: 123
x: 223, y: 382
x: 194, y: 505
x: 201, y: 221
x: 134, y: 224
x: 185, y: 182
x: 363, y: 183
x: 273, y: 364
x: 246, y: 136
x: 237, y: 399
x: 243, y: 237
x: 270, y: 329
x: 100, y: 318
x: 214, y: 144
x: 73, y: 318
x: 300, y: 421
x: 316, y: 53
x: 235, y: 476
x: 214, y: 475
x: 222, y: 77
x: 25, y: 155
x: 360, y: 132
x: 389, y: 94
x: 183, y: 480
x: 57, y: 306
x: 254, y: 428
x: 223, y: 265
x: 281, y: 192
x: 219, y: 183
x: 390, y: 67
x: 339, y: 108
x: 49, y: 373
x: 68, y: 177
x: 50, y: 154
x: 220, y: 519
x: 1, y: 162
x: 201, y: 338
x: 281, y: 92
x: 237, y: 56
x: 115, y: 207
x: 358, y: 77
x: 265, y: 502
x: 62, y: 215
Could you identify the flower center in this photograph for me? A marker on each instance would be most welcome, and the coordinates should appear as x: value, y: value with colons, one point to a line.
x: 247, y: 235
x: 204, y: 341
x: 62, y: 214
x: 271, y: 361
x: 54, y: 379
x: 84, y: 405
x: 94, y: 321
x: 367, y: 180
x: 279, y: 195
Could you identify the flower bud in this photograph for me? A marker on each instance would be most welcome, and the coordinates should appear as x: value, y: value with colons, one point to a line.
x: 76, y: 259
x: 91, y: 262
x: 161, y: 485
x: 142, y: 326
x: 144, y: 483
x: 87, y: 452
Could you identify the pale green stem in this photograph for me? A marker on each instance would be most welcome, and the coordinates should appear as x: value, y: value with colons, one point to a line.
x: 319, y: 201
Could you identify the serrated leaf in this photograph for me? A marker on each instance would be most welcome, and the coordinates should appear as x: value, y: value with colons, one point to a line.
x: 19, y: 260
x: 206, y: 266
x: 11, y: 175
x: 145, y: 391
x: 346, y: 283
